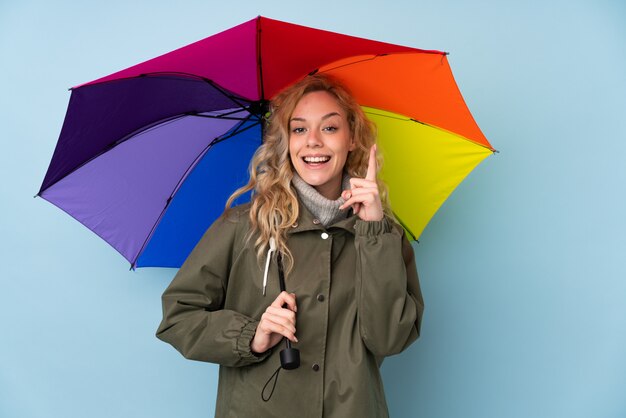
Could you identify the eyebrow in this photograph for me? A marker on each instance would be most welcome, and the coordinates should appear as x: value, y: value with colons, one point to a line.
x: 323, y: 117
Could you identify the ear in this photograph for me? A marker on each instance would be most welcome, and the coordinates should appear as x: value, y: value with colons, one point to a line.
x: 352, y: 144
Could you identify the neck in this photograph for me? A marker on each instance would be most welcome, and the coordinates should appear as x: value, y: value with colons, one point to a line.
x: 330, y: 191
x: 323, y: 208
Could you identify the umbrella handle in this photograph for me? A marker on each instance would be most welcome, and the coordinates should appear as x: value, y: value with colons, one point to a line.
x: 289, y: 357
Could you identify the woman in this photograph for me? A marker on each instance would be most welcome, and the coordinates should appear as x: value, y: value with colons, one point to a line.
x: 354, y: 295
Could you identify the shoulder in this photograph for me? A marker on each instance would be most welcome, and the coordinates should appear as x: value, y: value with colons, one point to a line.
x: 229, y: 228
x: 236, y: 214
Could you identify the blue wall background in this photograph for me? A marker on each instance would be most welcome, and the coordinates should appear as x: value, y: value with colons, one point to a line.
x: 522, y: 268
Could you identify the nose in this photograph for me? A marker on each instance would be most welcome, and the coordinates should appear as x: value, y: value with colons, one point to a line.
x: 313, y: 139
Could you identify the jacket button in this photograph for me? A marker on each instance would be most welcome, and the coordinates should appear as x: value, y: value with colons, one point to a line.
x: 316, y: 221
x: 324, y: 235
x: 315, y: 367
x: 320, y: 297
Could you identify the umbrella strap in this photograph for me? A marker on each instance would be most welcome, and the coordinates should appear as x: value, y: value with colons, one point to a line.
x: 275, y: 378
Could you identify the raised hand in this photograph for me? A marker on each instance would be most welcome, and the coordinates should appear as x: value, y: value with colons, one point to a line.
x: 276, y: 322
x: 363, y: 195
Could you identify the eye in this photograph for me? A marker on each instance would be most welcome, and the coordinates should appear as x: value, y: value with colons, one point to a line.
x: 330, y: 128
x: 298, y: 130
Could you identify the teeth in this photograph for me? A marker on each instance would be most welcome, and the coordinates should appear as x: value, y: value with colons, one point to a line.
x: 316, y: 159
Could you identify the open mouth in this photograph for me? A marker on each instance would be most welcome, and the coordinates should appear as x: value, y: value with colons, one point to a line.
x: 316, y: 160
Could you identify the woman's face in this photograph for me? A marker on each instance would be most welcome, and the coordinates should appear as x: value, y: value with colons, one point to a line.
x: 319, y: 142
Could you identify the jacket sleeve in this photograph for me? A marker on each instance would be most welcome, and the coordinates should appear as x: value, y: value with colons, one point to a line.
x: 194, y: 321
x: 390, y: 303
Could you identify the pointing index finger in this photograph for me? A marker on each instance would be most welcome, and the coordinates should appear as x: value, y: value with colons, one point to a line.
x: 372, y: 166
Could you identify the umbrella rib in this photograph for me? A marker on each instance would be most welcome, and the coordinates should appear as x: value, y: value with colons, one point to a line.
x: 200, y: 115
x: 493, y: 150
x: 191, y: 166
x: 398, y: 117
x: 112, y: 145
x: 232, y: 112
x: 235, y: 99
x: 216, y: 140
x: 236, y: 131
x: 142, y: 130
x: 408, y: 119
x: 259, y: 61
x: 373, y: 57
x: 348, y: 64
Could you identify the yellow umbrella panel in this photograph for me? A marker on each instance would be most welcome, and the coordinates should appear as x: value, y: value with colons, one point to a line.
x: 422, y: 165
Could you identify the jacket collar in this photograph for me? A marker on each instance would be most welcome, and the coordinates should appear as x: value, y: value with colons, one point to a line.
x: 307, y: 222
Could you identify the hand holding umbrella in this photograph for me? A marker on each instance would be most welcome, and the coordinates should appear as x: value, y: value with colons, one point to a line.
x: 364, y: 196
x: 276, y: 322
x: 280, y: 320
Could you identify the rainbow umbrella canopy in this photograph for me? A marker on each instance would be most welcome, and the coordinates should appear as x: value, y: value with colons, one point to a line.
x: 147, y: 156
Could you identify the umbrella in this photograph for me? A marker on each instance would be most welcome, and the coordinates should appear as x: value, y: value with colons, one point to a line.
x: 148, y: 155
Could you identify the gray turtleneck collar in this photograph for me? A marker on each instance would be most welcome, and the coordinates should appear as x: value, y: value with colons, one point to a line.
x: 326, y: 210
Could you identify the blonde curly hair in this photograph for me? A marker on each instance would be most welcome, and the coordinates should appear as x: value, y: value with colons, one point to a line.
x: 274, y: 203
